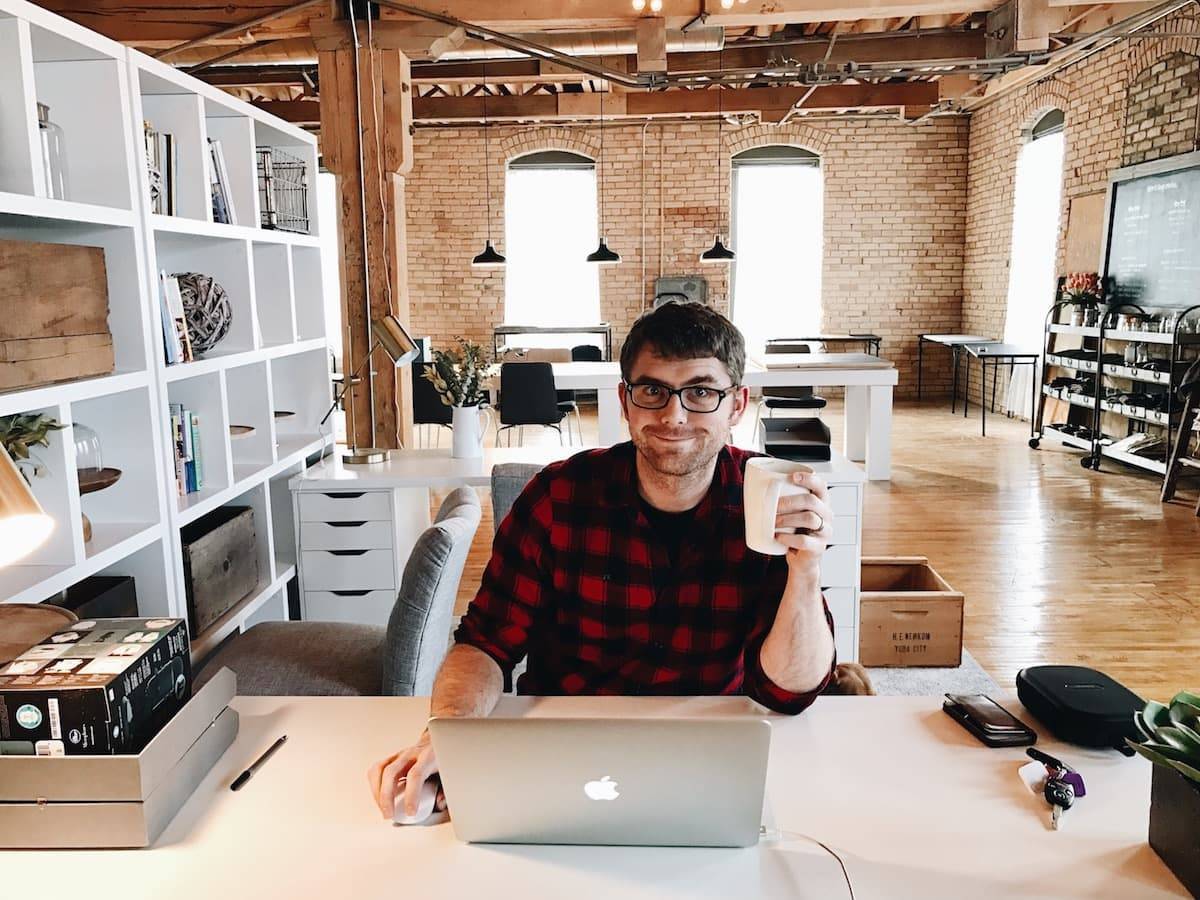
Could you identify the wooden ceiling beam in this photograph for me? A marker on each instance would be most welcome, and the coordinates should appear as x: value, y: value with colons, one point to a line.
x: 165, y: 23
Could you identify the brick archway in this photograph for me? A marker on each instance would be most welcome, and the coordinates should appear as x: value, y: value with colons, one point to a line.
x: 799, y: 135
x: 1039, y: 100
x: 576, y: 140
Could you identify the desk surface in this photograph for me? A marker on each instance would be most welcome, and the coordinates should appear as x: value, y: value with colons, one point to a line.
x: 824, y: 361
x: 912, y: 803
x: 999, y: 348
x: 951, y: 339
x: 435, y: 468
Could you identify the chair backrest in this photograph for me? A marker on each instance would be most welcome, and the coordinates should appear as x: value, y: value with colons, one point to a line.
x: 586, y: 353
x: 428, y: 408
x: 527, y: 394
x: 508, y: 480
x: 418, y: 630
x: 785, y: 346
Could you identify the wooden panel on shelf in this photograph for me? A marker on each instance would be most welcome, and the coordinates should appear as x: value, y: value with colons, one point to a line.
x: 1085, y: 227
x: 55, y: 322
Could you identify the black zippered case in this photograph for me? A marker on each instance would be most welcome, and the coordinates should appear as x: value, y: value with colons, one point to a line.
x: 1080, y: 705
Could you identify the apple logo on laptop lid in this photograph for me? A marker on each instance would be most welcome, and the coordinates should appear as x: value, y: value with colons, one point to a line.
x: 604, y: 789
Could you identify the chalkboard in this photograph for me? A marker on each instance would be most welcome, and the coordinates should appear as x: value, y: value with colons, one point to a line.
x: 1153, y: 255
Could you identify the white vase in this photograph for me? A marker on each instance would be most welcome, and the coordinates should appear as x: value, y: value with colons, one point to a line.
x: 468, y: 426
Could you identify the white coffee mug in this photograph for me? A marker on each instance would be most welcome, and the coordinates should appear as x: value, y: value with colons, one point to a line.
x: 767, y: 480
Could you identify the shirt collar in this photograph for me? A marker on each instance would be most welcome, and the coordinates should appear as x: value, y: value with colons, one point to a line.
x: 724, y: 494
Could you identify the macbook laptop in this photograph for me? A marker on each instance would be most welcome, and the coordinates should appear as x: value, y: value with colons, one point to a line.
x: 684, y: 782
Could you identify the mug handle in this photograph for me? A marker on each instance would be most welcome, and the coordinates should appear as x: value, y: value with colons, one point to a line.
x: 487, y: 412
x: 770, y: 507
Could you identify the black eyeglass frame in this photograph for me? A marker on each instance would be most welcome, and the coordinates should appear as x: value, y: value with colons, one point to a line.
x: 678, y: 392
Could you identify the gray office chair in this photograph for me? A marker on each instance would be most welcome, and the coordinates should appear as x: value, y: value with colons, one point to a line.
x: 508, y: 480
x: 337, y: 658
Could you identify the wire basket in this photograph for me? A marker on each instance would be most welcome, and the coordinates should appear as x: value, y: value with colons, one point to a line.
x: 282, y: 190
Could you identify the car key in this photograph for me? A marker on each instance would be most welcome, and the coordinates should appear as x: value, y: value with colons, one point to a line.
x: 1060, y: 795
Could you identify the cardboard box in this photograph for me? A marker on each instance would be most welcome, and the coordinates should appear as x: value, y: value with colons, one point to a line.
x: 117, y: 801
x: 909, y: 615
x: 98, y: 686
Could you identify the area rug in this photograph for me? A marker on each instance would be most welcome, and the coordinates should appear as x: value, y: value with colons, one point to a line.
x: 968, y: 678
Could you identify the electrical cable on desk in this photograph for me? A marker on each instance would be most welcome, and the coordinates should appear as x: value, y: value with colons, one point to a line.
x: 777, y: 834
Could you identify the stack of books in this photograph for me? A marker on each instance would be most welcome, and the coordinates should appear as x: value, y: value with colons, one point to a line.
x: 222, y: 205
x: 185, y: 432
x: 160, y: 170
x: 177, y: 345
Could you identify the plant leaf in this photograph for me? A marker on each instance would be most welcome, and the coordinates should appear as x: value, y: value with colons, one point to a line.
x: 1168, y: 734
x: 1155, y: 714
x: 1162, y: 754
x: 1183, y: 713
x: 1187, y: 697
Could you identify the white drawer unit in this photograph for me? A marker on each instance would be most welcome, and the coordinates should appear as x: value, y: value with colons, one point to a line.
x: 845, y: 530
x: 839, y: 566
x: 353, y: 545
x: 360, y: 607
x: 353, y: 570
x: 841, y: 606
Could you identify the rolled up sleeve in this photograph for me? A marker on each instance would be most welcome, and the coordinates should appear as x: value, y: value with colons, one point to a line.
x: 758, y: 686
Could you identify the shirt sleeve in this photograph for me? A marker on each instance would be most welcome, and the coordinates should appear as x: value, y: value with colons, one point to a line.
x: 762, y: 689
x: 515, y: 583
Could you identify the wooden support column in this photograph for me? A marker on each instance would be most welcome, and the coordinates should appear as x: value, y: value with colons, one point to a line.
x: 385, y: 89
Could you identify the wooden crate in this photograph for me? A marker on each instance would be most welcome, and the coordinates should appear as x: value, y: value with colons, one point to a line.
x: 220, y: 564
x: 909, y: 615
x: 55, y: 321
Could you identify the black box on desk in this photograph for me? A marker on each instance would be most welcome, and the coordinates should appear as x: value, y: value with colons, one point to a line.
x: 117, y: 801
x: 804, y: 439
x: 100, y: 686
x: 100, y: 597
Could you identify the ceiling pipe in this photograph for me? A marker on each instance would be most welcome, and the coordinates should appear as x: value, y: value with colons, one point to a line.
x: 590, y: 43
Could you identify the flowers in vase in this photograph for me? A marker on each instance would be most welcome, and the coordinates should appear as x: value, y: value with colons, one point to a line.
x: 458, y: 374
x: 1082, y: 287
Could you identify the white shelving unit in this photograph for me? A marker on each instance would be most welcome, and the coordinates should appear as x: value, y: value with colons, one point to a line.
x: 270, y: 372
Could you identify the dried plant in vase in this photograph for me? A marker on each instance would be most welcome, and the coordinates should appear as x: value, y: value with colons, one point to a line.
x: 458, y: 376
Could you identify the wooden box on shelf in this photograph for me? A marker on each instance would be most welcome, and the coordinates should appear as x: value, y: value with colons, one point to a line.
x: 220, y: 564
x: 910, y: 616
x: 55, y: 322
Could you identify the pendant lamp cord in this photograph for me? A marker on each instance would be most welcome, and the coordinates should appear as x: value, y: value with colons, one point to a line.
x: 487, y: 157
x: 602, y: 93
x: 720, y: 129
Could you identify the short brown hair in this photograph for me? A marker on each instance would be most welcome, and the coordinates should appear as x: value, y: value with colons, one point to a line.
x: 685, y: 331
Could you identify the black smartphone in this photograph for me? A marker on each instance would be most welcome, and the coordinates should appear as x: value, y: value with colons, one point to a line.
x: 990, y: 722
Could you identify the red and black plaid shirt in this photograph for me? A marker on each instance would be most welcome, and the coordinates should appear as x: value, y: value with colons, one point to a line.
x: 580, y: 582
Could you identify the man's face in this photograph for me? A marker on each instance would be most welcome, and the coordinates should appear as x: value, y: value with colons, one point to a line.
x: 672, y: 440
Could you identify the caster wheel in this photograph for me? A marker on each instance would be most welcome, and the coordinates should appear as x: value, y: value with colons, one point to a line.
x: 1086, y: 462
x: 1034, y: 443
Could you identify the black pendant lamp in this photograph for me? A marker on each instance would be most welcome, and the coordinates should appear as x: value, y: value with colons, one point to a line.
x: 489, y: 258
x: 602, y: 255
x: 718, y: 252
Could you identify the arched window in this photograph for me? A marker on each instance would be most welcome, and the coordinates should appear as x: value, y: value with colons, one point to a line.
x: 777, y: 235
x: 1034, y: 246
x: 549, y: 229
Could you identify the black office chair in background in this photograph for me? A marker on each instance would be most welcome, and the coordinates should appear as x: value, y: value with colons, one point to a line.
x: 428, y: 408
x: 789, y: 398
x: 528, y: 397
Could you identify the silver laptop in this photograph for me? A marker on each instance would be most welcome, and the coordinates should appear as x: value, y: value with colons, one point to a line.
x: 636, y: 781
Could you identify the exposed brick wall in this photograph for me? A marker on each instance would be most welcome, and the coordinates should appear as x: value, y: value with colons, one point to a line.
x: 895, y: 200
x: 1128, y: 103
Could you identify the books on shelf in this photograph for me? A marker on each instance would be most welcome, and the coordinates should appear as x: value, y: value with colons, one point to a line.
x: 160, y: 170
x: 189, y: 465
x: 223, y: 211
x: 177, y: 345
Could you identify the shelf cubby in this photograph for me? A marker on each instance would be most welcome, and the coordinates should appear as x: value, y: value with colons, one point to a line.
x: 300, y: 385
x: 124, y: 424
x: 205, y: 397
x: 179, y: 113
x: 236, y: 136
x: 249, y: 405
x: 310, y: 308
x: 150, y: 569
x: 226, y: 261
x: 273, y: 293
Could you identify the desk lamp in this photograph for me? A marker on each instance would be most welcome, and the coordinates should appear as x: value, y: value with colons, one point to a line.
x: 23, y: 525
x: 401, y: 349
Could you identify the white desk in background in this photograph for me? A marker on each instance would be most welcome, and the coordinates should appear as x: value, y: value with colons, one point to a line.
x: 868, y: 381
x: 915, y: 807
x: 355, y: 526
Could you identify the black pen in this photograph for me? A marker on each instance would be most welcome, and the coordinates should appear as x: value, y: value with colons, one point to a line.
x: 245, y: 776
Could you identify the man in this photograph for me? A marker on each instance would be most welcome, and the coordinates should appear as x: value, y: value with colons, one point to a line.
x: 626, y: 570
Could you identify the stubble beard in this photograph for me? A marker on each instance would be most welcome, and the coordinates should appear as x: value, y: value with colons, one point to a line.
x: 680, y: 464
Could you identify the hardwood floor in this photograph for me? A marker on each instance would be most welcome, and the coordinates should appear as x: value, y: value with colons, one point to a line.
x: 1058, y: 564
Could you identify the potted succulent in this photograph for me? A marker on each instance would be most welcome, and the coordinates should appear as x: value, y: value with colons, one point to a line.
x: 20, y: 432
x: 1172, y: 743
x: 458, y: 376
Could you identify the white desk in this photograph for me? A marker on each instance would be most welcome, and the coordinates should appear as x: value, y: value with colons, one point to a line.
x: 355, y: 526
x: 868, y: 381
x: 913, y: 804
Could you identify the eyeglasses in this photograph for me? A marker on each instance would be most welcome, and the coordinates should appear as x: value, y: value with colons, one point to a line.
x: 697, y: 398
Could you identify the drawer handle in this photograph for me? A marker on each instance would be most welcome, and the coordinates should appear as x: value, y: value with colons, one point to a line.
x: 345, y: 524
x: 346, y: 495
x: 348, y: 552
x: 350, y: 593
